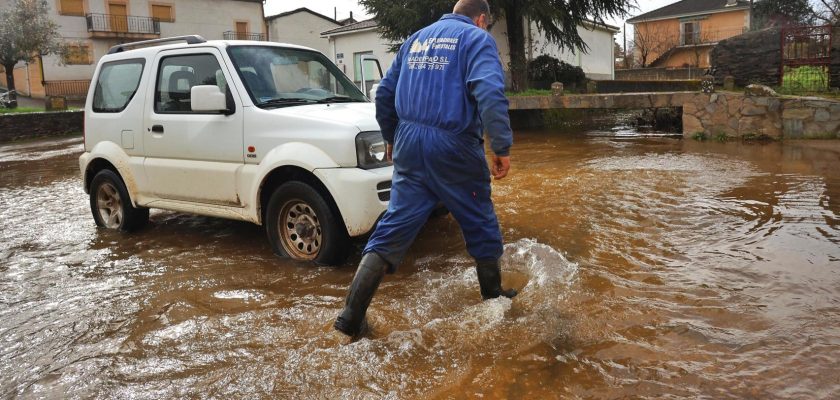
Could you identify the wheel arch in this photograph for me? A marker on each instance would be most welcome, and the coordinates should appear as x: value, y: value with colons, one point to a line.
x: 94, y: 167
x: 288, y: 173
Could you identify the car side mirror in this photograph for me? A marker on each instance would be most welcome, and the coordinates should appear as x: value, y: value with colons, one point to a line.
x: 372, y: 93
x: 208, y: 98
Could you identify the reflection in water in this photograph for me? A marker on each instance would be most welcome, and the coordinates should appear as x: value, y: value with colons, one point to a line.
x: 648, y: 268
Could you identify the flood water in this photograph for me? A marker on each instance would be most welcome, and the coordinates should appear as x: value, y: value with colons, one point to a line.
x: 647, y: 267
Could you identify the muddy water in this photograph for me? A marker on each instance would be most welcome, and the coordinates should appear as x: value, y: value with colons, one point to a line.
x: 648, y: 268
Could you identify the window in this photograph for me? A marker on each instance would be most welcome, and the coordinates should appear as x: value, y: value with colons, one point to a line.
x: 78, y: 54
x: 370, y: 67
x: 178, y: 74
x: 273, y: 74
x: 163, y: 13
x: 690, y: 33
x: 116, y: 85
x: 72, y: 7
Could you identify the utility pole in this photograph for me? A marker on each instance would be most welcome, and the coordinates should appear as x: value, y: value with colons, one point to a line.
x: 626, y: 61
x: 752, y: 11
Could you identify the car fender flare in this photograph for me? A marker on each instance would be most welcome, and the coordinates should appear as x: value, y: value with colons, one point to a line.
x: 290, y: 154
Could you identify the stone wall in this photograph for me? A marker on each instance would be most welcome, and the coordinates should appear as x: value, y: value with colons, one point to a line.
x: 754, y: 57
x: 737, y: 115
x: 33, y: 125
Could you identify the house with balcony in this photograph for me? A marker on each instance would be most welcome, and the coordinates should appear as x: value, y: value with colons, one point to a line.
x: 91, y: 27
x: 351, y: 43
x: 683, y: 34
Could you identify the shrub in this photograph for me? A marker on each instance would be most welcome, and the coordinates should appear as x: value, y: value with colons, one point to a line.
x: 545, y: 70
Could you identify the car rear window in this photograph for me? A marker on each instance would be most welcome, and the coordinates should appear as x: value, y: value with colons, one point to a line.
x: 116, y: 85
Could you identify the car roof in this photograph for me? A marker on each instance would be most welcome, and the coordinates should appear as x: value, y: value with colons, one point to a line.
x: 151, y: 51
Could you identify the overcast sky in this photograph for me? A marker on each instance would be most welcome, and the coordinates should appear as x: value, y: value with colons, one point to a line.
x: 344, y: 7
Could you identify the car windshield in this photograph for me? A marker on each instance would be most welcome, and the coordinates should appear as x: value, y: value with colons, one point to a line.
x: 281, y: 77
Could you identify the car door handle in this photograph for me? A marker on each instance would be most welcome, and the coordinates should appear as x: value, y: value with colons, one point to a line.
x: 157, y: 128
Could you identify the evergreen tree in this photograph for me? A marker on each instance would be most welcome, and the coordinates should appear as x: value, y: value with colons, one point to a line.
x: 783, y: 13
x: 556, y: 19
x: 26, y: 31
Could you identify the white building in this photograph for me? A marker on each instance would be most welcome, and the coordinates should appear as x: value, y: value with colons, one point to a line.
x: 598, y: 63
x: 301, y: 27
x: 91, y: 27
x: 348, y: 43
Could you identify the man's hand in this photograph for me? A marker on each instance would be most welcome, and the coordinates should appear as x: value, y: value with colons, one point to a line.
x: 500, y: 167
x: 389, y: 152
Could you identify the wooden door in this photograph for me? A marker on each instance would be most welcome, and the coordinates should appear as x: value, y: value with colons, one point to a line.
x: 119, y: 17
x: 242, y: 30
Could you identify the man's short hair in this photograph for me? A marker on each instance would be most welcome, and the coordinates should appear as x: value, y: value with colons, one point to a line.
x: 472, y: 8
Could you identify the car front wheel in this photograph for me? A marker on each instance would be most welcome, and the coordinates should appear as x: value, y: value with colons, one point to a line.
x: 301, y: 225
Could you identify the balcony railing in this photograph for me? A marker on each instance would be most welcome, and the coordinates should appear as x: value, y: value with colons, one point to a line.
x: 231, y: 35
x: 120, y: 24
x: 708, y: 37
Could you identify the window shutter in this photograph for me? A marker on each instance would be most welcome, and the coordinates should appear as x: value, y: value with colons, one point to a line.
x: 78, y: 55
x: 162, y: 13
x: 72, y: 7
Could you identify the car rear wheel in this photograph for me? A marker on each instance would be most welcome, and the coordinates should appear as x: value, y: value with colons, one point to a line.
x: 301, y: 225
x: 111, y: 206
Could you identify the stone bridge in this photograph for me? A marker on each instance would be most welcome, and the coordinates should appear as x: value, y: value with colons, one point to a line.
x: 725, y: 113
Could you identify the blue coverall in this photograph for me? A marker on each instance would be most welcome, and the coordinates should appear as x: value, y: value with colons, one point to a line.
x: 445, y: 87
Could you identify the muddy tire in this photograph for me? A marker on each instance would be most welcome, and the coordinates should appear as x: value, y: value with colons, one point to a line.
x: 301, y: 225
x: 111, y: 205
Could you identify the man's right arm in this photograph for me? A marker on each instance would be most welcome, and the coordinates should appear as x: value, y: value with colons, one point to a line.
x: 386, y: 97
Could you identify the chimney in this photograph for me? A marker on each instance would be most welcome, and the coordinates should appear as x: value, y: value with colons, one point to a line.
x: 351, y: 14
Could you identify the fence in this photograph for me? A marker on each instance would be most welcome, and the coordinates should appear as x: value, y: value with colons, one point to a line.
x: 806, y: 59
x: 70, y: 89
x: 659, y: 74
x: 231, y: 35
x: 122, y: 24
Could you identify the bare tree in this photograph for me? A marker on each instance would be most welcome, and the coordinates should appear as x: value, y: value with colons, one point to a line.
x: 26, y: 32
x: 652, y: 41
x: 828, y: 11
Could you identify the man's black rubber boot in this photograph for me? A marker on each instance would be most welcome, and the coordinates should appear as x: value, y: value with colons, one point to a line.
x: 368, y: 276
x: 490, y: 279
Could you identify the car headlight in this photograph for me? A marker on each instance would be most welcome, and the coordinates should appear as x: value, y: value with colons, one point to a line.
x: 370, y: 150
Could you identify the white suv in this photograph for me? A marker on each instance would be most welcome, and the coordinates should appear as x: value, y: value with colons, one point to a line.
x: 263, y: 132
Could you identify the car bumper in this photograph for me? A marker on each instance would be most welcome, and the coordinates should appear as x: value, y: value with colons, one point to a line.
x: 361, y: 195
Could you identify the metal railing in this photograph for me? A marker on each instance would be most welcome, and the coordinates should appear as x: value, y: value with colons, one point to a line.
x: 68, y: 89
x: 806, y: 59
x: 709, y: 37
x: 122, y: 24
x: 231, y: 35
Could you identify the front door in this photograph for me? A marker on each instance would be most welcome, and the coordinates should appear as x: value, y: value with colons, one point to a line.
x: 242, y: 30
x: 119, y: 17
x: 192, y: 156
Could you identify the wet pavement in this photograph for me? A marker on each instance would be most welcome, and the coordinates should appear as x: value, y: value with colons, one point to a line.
x: 647, y: 267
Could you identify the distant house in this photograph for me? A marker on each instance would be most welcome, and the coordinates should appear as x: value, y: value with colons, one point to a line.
x: 91, y: 27
x: 683, y: 34
x: 302, y: 27
x: 349, y: 43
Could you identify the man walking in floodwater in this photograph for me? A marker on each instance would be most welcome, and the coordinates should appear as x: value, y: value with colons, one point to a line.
x: 445, y: 87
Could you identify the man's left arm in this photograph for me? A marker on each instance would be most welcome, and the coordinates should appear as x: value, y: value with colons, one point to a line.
x: 486, y: 84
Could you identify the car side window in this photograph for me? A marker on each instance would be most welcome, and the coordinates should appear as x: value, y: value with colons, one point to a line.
x: 178, y: 74
x: 116, y: 85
